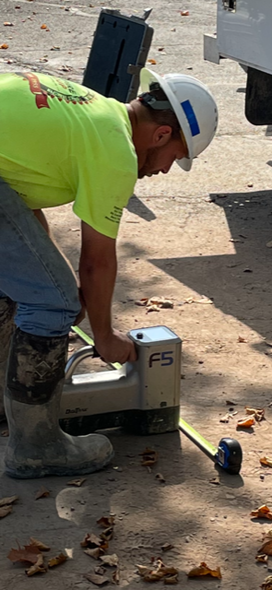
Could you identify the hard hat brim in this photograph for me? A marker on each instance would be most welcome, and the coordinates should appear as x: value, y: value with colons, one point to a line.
x: 146, y: 77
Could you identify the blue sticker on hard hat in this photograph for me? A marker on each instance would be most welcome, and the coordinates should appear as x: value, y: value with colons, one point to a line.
x: 192, y: 120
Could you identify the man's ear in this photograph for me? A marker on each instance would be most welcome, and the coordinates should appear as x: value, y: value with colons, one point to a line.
x: 162, y: 135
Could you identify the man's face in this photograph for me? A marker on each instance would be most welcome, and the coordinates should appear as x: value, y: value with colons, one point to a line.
x: 160, y: 159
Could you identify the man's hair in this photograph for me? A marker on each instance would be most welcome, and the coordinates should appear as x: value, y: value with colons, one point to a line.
x: 162, y: 116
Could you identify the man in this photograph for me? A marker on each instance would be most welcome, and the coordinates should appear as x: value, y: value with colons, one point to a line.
x: 61, y: 142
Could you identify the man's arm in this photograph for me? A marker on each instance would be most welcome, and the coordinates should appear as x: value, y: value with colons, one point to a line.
x: 97, y: 273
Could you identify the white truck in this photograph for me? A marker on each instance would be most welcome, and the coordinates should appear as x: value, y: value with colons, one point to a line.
x: 244, y: 34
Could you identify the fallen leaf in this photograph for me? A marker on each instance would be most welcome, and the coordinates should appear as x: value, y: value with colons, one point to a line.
x: 225, y: 419
x: 149, y: 457
x: 76, y: 482
x: 160, y: 477
x: 215, y: 481
x: 106, y: 521
x: 242, y: 339
x: 266, y: 548
x: 111, y: 560
x: 8, y: 500
x: 269, y: 245
x: 5, y: 433
x: 43, y: 26
x: 5, y: 510
x: 262, y: 558
x: 4, y: 46
x: 95, y: 553
x: 96, y: 579
x: 160, y: 48
x: 185, y: 13
x: 152, y: 61
x: 258, y: 414
x: 171, y: 579
x: 28, y: 554
x: 267, y: 584
x: 262, y: 512
x: 202, y: 300
x: 107, y: 534
x: 115, y: 578
x: 157, y: 571
x: 41, y: 546
x: 91, y: 541
x: 266, y: 461
x: 99, y: 570
x: 8, y: 24
x: 245, y: 423
x: 37, y: 568
x: 61, y: 558
x: 230, y: 403
x: 42, y: 493
x: 204, y: 570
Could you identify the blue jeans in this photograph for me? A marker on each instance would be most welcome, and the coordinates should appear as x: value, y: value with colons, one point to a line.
x: 33, y: 273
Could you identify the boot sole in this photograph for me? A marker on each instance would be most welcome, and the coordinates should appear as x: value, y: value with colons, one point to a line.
x: 35, y: 473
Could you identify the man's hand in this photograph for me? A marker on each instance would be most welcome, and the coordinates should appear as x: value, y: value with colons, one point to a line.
x: 117, y: 348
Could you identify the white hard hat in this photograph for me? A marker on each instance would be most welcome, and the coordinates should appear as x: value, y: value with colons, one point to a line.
x: 193, y: 105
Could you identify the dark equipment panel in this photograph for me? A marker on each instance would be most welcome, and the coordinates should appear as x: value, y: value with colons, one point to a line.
x: 118, y: 53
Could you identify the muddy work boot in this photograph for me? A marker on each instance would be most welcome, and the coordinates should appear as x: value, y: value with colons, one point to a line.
x: 7, y: 310
x: 37, y: 446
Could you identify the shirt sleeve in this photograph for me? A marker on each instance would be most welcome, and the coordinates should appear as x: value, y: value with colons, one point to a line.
x: 101, y: 197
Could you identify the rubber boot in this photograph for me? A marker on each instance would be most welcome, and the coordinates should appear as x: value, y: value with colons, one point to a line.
x: 7, y: 310
x: 37, y: 446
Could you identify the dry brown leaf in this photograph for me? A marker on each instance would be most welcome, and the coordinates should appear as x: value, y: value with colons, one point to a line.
x: 115, y: 578
x: 95, y: 553
x: 37, y: 568
x: 76, y: 482
x: 143, y: 570
x: 266, y: 548
x: 106, y: 521
x: 5, y: 510
x: 262, y: 558
x: 91, y: 541
x: 266, y: 461
x: 111, y: 560
x: 245, y: 423
x: 4, y: 46
x: 204, y: 299
x: 152, y: 61
x: 267, y: 584
x: 107, y: 534
x: 8, y: 500
x: 42, y: 493
x: 43, y: 26
x: 41, y: 546
x: 257, y: 413
x: 157, y: 571
x: 28, y: 554
x: 149, y: 457
x: 99, y: 569
x: 242, y: 339
x: 215, y: 481
x: 160, y: 477
x: 185, y: 13
x: 8, y: 24
x: 61, y: 558
x: 204, y: 570
x: 5, y: 433
x: 96, y: 579
x: 262, y: 512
